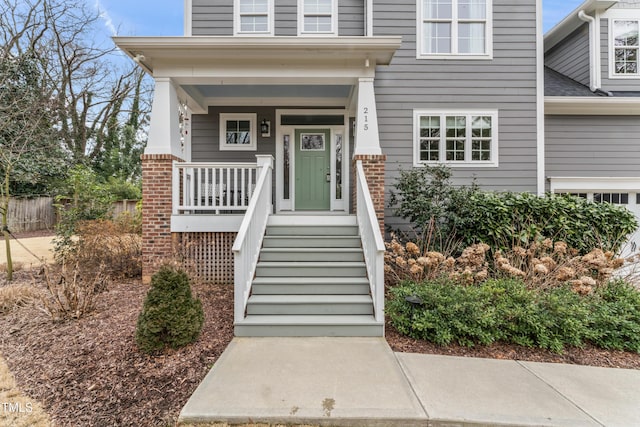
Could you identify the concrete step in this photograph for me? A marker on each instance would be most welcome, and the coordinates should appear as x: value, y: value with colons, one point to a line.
x: 310, y: 269
x: 310, y: 286
x: 309, y: 326
x: 311, y: 254
x: 312, y: 230
x: 310, y: 304
x: 311, y: 242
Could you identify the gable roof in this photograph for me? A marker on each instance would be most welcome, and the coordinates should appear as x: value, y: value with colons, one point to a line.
x: 571, y: 22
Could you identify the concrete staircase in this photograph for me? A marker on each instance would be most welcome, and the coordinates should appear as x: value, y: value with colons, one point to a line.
x: 311, y: 280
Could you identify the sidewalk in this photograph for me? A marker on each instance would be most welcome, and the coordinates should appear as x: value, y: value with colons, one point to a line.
x: 361, y: 382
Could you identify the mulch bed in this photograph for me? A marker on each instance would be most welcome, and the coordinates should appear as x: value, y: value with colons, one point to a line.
x: 89, y: 372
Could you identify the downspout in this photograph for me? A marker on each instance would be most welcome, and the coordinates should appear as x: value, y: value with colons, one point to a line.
x: 594, y: 51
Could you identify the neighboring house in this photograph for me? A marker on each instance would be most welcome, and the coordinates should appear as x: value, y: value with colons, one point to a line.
x: 592, y: 105
x: 278, y: 127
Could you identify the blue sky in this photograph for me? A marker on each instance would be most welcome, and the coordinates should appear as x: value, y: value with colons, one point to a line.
x: 165, y: 17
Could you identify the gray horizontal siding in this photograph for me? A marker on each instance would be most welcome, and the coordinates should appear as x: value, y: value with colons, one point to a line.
x: 614, y: 84
x: 592, y: 146
x: 215, y: 17
x: 627, y: 4
x: 571, y: 56
x: 506, y: 83
x: 212, y: 18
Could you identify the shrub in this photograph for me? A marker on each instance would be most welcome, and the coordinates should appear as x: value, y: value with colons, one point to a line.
x: 114, y: 246
x: 71, y: 292
x: 170, y: 315
x: 506, y: 219
x: 502, y: 309
x: 615, y: 319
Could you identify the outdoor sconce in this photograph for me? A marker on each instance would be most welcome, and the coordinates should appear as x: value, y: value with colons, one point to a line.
x: 265, y: 128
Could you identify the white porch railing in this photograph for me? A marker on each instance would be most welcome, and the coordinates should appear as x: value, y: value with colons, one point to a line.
x: 372, y: 241
x: 212, y: 187
x: 246, y: 247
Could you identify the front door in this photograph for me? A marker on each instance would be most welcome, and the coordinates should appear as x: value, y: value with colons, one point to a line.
x: 313, y: 169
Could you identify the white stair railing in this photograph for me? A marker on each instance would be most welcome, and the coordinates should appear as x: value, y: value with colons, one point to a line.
x: 372, y: 241
x: 212, y: 187
x: 246, y: 248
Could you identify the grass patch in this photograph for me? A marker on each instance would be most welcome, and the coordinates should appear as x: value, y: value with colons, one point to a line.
x: 14, y: 296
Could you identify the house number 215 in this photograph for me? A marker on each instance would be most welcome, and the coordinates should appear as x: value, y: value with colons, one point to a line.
x: 366, y: 118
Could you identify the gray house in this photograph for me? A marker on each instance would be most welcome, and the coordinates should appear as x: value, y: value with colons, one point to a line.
x: 592, y: 105
x: 277, y: 125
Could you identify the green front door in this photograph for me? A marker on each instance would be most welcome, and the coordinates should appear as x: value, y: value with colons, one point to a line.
x: 313, y: 169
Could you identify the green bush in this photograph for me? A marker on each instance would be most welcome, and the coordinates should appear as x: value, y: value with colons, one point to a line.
x: 503, y: 219
x: 427, y: 198
x: 170, y: 317
x: 615, y: 318
x: 497, y: 310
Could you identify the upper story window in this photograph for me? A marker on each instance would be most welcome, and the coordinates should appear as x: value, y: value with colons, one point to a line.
x: 454, y: 28
x: 625, y: 47
x: 253, y: 17
x: 319, y: 17
x: 457, y: 138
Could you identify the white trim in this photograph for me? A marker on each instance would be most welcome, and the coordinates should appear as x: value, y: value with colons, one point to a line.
x: 188, y: 18
x: 237, y: 23
x: 334, y: 21
x: 369, y: 18
x: 253, y: 135
x: 620, y: 14
x: 205, y: 223
x: 493, y: 163
x: 540, y: 129
x: 586, y: 184
x: 596, y: 105
x: 488, y: 39
x: 283, y: 205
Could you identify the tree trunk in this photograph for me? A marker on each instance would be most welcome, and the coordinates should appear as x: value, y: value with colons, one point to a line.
x: 5, y: 229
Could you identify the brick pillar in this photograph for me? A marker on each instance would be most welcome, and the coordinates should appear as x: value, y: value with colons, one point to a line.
x: 157, y: 244
x: 373, y: 165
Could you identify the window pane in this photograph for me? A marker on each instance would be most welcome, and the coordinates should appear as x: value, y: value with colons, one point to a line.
x: 338, y: 167
x: 625, y: 33
x: 437, y: 9
x: 437, y: 37
x: 238, y: 132
x: 317, y: 24
x: 317, y: 6
x: 471, y: 38
x: 286, y: 170
x: 472, y: 9
x: 253, y: 6
x: 253, y: 24
x: 430, y: 138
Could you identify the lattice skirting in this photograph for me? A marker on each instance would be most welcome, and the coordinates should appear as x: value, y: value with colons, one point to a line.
x: 207, y: 256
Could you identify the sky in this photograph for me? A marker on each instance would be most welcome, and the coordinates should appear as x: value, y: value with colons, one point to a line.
x: 165, y: 17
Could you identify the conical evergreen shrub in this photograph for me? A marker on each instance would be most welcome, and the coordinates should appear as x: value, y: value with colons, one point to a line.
x: 171, y: 316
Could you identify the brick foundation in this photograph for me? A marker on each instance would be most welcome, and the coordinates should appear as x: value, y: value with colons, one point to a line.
x: 157, y: 241
x: 373, y: 166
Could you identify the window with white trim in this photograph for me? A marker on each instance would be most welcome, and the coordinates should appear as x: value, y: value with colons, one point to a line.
x: 253, y: 17
x: 238, y: 132
x: 456, y: 138
x: 317, y: 17
x: 460, y: 28
x: 625, y: 47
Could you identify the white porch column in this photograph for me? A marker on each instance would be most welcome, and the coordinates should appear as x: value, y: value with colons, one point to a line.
x: 367, y: 136
x: 164, y: 129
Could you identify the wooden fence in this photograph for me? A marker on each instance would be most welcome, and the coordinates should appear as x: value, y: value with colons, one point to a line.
x: 40, y: 214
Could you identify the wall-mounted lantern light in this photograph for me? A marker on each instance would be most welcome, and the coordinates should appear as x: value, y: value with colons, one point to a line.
x: 265, y: 128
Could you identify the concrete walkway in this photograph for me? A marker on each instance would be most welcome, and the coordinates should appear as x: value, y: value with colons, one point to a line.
x: 361, y: 382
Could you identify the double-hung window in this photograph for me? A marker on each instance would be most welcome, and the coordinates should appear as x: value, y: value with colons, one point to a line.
x: 456, y: 138
x: 253, y: 17
x: 454, y: 28
x: 625, y: 47
x: 317, y: 17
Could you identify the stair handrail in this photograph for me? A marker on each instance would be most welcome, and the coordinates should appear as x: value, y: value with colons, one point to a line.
x: 372, y: 241
x: 246, y: 247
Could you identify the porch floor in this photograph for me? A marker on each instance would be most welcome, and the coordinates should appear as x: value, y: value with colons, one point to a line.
x: 361, y: 382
